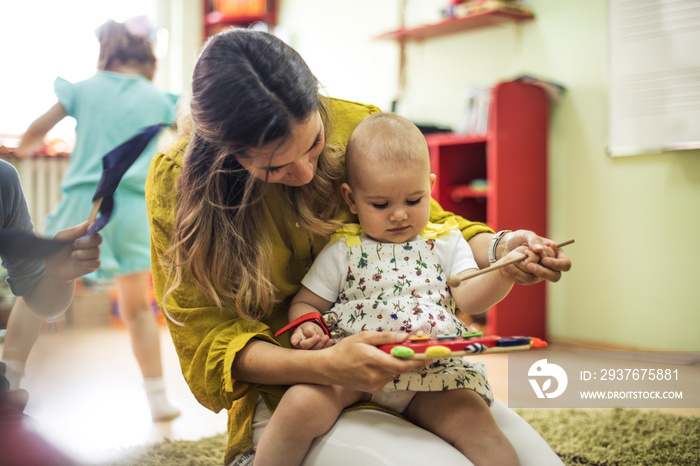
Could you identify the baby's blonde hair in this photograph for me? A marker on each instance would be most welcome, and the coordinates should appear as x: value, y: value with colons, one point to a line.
x: 385, y: 138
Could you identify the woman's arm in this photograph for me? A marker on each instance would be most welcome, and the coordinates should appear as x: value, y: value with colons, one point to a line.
x: 354, y: 362
x: 553, y: 261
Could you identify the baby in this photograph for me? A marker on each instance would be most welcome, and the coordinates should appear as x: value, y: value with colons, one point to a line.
x: 389, y: 274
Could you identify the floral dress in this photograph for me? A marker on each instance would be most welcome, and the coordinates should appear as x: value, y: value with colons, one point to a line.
x: 402, y: 287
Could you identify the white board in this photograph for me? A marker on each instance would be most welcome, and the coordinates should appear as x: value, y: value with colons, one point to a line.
x: 654, y: 72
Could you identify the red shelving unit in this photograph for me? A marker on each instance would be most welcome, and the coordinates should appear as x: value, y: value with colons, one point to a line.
x: 449, y: 26
x: 512, y: 158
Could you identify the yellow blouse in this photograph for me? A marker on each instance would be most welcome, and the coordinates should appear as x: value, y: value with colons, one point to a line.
x: 210, y: 338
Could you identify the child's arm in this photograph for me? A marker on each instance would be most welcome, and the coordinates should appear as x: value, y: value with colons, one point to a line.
x: 33, y: 138
x: 478, y: 294
x: 308, y: 335
x: 54, y: 293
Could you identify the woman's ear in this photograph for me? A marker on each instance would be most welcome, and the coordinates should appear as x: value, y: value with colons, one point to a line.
x: 346, y: 190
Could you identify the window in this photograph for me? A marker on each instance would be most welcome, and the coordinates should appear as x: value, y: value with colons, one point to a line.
x: 43, y: 39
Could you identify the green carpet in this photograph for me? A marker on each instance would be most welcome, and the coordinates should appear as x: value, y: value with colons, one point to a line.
x: 604, y: 437
x: 618, y: 436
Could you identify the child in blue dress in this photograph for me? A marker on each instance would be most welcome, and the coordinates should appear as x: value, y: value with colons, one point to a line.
x: 390, y: 274
x: 110, y: 107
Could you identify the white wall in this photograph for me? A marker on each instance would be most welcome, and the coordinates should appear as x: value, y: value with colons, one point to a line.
x: 183, y: 19
x: 335, y: 39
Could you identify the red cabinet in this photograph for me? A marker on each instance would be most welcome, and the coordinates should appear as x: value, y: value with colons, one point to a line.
x: 512, y: 160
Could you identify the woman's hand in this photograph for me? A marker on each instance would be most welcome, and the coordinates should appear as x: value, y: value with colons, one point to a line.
x: 356, y: 362
x: 553, y: 261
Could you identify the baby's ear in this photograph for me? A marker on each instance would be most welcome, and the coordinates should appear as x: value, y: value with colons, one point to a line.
x: 346, y: 190
x: 433, y: 177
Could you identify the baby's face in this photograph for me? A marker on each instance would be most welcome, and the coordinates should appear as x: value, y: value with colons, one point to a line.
x: 392, y: 203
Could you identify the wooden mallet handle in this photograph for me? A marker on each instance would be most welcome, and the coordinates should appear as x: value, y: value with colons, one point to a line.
x: 95, y: 210
x: 454, y: 280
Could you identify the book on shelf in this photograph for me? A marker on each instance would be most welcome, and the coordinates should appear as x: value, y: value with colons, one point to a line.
x: 471, y: 7
x: 476, y: 117
x: 554, y: 90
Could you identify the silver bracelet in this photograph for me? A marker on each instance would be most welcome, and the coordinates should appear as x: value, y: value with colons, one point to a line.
x: 494, y: 244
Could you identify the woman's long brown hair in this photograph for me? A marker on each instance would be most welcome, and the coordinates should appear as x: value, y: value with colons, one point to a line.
x: 249, y: 89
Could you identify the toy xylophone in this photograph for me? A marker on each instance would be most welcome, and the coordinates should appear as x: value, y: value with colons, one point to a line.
x: 444, y: 346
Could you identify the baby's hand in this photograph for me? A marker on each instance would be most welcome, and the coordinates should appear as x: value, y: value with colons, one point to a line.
x: 310, y: 336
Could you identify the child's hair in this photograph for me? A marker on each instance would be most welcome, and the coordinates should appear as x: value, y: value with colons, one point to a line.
x: 385, y: 138
x: 119, y: 47
x: 248, y: 89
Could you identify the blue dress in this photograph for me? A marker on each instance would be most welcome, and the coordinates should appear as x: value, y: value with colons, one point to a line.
x: 110, y: 108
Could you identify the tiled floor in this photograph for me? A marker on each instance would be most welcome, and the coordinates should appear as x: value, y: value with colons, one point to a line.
x: 86, y: 396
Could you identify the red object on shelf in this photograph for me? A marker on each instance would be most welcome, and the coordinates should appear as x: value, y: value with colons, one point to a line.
x: 222, y: 14
x: 242, y: 7
x: 459, y: 193
x: 512, y: 157
x: 452, y: 25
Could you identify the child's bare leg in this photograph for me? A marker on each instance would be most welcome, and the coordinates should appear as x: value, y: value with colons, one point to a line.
x: 135, y: 309
x: 305, y: 412
x: 462, y: 418
x: 23, y: 329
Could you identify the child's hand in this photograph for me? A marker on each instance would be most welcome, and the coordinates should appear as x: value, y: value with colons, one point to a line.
x: 309, y: 336
x: 80, y: 258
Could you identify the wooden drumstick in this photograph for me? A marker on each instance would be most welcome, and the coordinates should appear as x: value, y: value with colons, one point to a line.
x: 95, y: 210
x: 454, y: 280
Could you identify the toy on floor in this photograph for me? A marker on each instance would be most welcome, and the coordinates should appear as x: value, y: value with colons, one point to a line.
x: 422, y: 346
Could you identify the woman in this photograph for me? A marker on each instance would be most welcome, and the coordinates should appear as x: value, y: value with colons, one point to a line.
x: 238, y: 208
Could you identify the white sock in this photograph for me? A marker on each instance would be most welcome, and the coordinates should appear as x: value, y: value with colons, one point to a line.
x: 14, y: 371
x: 161, y: 409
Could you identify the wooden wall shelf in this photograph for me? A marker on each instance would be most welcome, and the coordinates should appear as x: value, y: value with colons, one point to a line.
x: 449, y: 26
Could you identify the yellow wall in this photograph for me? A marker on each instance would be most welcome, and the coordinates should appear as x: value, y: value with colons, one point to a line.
x: 635, y: 280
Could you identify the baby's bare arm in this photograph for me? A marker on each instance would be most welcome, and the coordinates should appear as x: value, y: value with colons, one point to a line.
x: 308, y: 335
x: 477, y: 294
